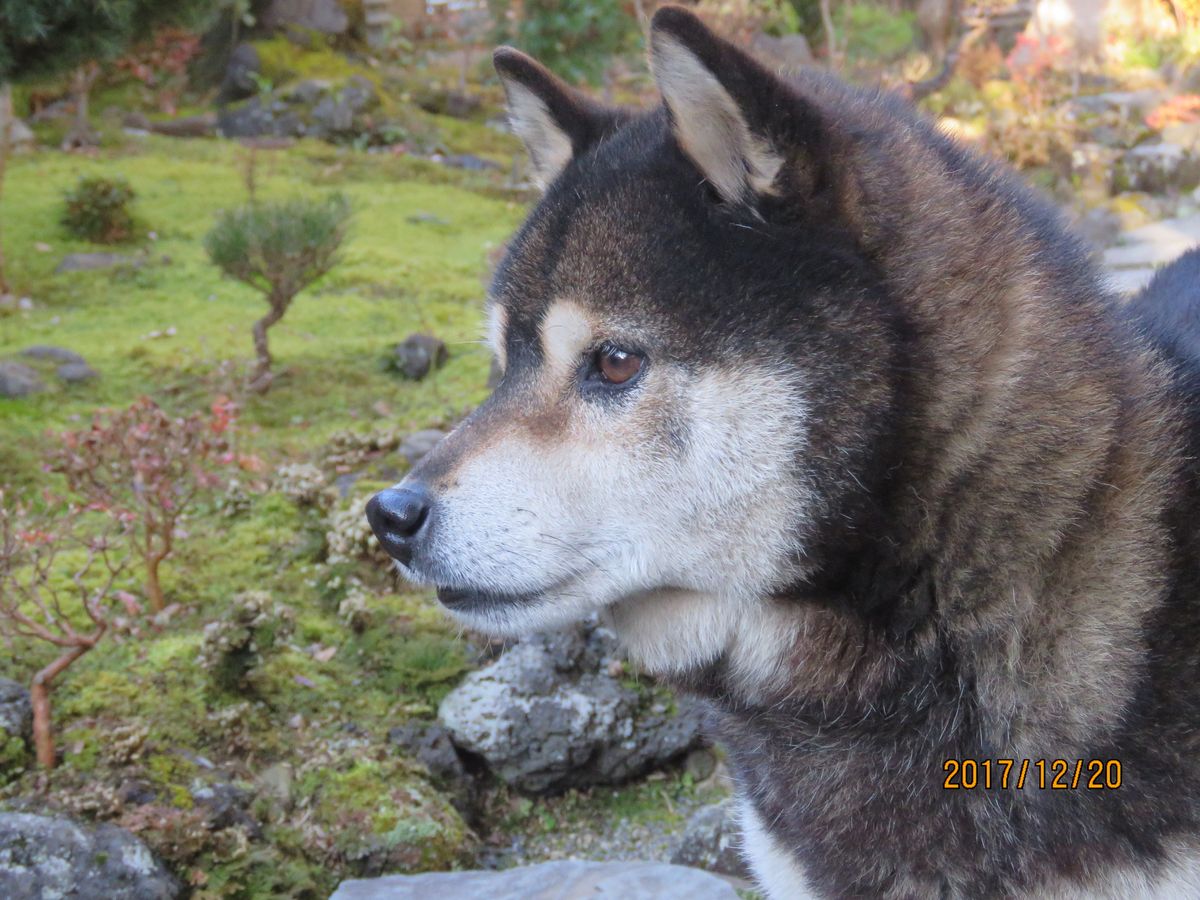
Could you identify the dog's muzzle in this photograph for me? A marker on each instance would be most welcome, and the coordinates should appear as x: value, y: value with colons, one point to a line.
x: 398, y: 516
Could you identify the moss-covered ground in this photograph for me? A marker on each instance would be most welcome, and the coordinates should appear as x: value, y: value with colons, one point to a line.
x: 250, y: 749
x: 320, y: 701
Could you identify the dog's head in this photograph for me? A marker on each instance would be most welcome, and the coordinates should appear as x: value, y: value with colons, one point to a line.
x: 692, y: 346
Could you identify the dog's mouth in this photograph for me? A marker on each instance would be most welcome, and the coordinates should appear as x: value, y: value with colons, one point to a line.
x: 468, y: 600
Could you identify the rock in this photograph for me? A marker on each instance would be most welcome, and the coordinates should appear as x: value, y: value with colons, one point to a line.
x: 712, y: 840
x: 239, y: 80
x: 336, y: 113
x: 20, y: 135
x: 791, y: 51
x: 548, y: 715
x: 1189, y: 82
x: 1184, y: 134
x: 310, y: 108
x: 448, y: 103
x: 325, y: 16
x: 56, y: 354
x: 16, y: 712
x: 16, y: 728
x: 417, y: 355
x: 562, y: 880
x: 700, y: 764
x: 308, y: 91
x: 135, y: 792
x: 75, y: 373
x: 1154, y: 244
x: 278, y: 783
x: 344, y: 484
x: 1100, y: 227
x: 469, y: 162
x: 426, y: 218
x: 417, y: 445
x: 42, y: 857
x: 203, y: 125
x: 225, y: 805
x: 1156, y: 169
x: 430, y: 744
x: 89, y: 262
x: 1130, y: 104
x: 18, y: 380
x: 256, y: 118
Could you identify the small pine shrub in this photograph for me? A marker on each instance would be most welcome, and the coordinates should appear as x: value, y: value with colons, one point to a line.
x: 279, y: 249
x: 97, y: 210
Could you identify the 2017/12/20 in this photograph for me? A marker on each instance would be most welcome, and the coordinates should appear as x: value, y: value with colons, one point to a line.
x: 1056, y: 774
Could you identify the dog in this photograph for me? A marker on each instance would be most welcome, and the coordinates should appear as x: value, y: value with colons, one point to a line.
x: 835, y: 424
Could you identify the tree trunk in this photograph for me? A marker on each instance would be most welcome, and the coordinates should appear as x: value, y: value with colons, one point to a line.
x: 153, y: 588
x: 260, y: 381
x: 39, y: 694
x: 81, y: 134
x: 830, y: 34
x: 6, y: 118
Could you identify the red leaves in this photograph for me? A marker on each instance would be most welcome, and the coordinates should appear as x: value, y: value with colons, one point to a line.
x: 1176, y: 111
x: 144, y: 467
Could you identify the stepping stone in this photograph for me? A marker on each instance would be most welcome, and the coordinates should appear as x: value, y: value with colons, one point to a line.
x: 90, y: 262
x: 562, y: 880
x: 18, y: 380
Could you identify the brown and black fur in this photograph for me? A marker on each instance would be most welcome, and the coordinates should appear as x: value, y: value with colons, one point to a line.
x: 1003, y: 555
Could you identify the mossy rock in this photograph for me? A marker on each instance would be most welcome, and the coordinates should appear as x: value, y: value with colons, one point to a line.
x: 385, y: 817
x: 14, y: 756
x: 16, y: 724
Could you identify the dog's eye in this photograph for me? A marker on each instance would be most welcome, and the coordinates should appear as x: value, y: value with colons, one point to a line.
x: 617, y: 366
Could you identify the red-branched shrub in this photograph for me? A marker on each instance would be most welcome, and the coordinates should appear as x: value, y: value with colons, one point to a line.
x: 68, y: 600
x: 146, y: 467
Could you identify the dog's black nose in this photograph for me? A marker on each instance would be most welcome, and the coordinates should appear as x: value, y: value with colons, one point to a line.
x: 396, y: 516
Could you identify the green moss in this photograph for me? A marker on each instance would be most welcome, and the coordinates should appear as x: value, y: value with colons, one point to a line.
x: 83, y: 748
x: 284, y: 60
x: 173, y: 773
x: 386, y: 817
x: 264, y: 871
x: 14, y: 756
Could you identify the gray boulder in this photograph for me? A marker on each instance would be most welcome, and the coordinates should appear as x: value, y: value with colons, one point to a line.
x: 43, y: 857
x: 325, y: 16
x: 309, y: 108
x: 337, y: 113
x: 551, y: 713
x: 417, y: 445
x: 16, y: 728
x: 430, y: 743
x: 54, y: 354
x: 75, y: 373
x: 239, y: 80
x: 711, y: 841
x: 18, y: 380
x: 260, y: 118
x: 562, y: 880
x: 417, y: 355
x: 16, y: 712
x: 1157, y: 169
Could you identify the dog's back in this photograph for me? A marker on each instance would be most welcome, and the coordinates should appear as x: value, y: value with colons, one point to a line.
x: 1168, y: 312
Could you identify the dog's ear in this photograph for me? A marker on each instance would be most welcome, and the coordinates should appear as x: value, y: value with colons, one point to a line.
x: 737, y: 122
x: 554, y: 121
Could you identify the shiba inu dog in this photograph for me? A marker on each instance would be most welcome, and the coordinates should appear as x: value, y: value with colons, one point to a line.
x: 838, y: 427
